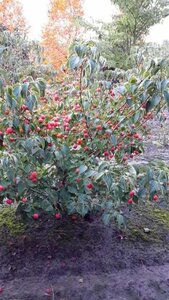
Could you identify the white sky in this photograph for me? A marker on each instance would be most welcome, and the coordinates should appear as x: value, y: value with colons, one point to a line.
x: 36, y: 13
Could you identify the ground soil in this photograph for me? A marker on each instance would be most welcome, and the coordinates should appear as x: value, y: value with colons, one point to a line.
x: 85, y: 260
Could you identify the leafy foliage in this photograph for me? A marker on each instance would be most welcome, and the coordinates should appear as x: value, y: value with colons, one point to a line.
x: 71, y: 150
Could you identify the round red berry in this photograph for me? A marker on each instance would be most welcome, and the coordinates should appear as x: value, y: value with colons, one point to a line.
x: 24, y: 200
x: 9, y: 130
x: 155, y: 198
x: 132, y: 193
x: 58, y: 216
x: 90, y: 186
x: 35, y: 216
x: 106, y: 153
x: 78, y: 180
x: 9, y: 201
x: 130, y: 201
x: 2, y: 188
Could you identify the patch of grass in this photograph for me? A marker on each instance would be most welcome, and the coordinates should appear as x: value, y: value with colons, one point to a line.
x: 161, y: 216
x: 10, y: 224
x: 157, y: 220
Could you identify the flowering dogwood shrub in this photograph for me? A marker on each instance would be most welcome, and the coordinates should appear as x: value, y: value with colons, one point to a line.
x: 71, y: 148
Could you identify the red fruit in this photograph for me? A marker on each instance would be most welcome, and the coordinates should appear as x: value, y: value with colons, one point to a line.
x: 24, y: 200
x: 35, y: 216
x: 9, y: 201
x: 130, y: 201
x: 136, y: 136
x: 2, y: 188
x: 90, y: 186
x: 144, y: 105
x: 78, y: 180
x: 112, y: 93
x: 132, y: 193
x: 86, y: 135
x: 56, y: 97
x: 1, y: 289
x: 34, y: 180
x: 58, y: 216
x: 9, y: 130
x: 99, y: 127
x: 6, y: 112
x: 122, y: 134
x: 33, y: 174
x: 24, y: 107
x: 136, y: 152
x: 106, y: 153
x: 133, y: 126
x: 50, y: 144
x: 42, y: 117
x: 155, y: 198
x: 12, y: 139
x: 40, y: 120
x: 86, y: 149
x: 79, y: 142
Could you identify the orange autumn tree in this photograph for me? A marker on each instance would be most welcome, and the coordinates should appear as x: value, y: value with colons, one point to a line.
x: 11, y: 15
x: 60, y: 30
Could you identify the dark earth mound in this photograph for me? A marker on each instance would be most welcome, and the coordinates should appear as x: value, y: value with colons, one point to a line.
x: 86, y: 260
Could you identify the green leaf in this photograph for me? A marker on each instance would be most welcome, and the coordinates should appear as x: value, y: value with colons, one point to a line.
x: 164, y: 84
x: 2, y: 49
x: 92, y: 65
x: 129, y: 102
x: 17, y: 91
x: 1, y: 88
x: 42, y: 87
x: 25, y: 88
x: 166, y: 96
x: 80, y: 50
x: 90, y: 173
x: 30, y: 102
x: 74, y: 62
x: 106, y: 218
x: 153, y: 102
x: 83, y: 169
x: 114, y: 140
x: 120, y: 220
x: 21, y: 187
x: 73, y: 190
x: 47, y: 206
x: 136, y: 117
x: 108, y: 181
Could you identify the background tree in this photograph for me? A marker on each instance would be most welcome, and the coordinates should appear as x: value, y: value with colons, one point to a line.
x: 20, y: 57
x: 60, y: 30
x: 129, y: 28
x: 11, y: 15
x: 14, y: 54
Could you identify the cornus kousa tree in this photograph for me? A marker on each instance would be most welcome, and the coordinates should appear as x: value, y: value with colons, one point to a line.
x: 71, y: 149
